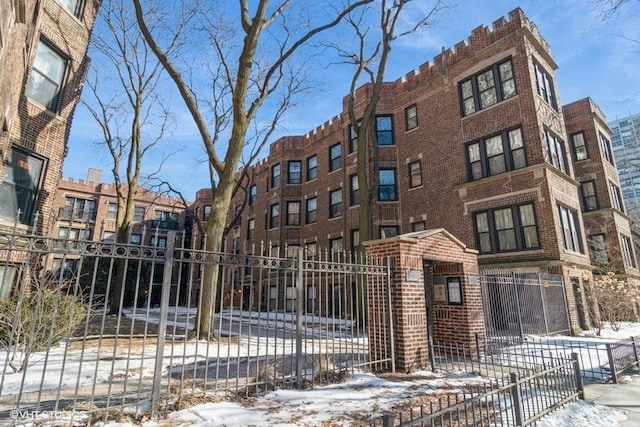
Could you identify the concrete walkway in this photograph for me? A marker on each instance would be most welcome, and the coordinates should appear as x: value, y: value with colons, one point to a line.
x: 625, y: 397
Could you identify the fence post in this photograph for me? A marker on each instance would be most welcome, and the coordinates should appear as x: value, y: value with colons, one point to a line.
x: 578, y: 374
x: 612, y: 365
x: 518, y: 308
x: 544, y: 306
x: 392, y: 345
x: 635, y: 349
x: 517, y: 398
x: 299, y: 308
x: 387, y: 420
x: 162, y: 326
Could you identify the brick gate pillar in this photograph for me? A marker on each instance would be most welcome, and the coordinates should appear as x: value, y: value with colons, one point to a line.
x: 455, y: 295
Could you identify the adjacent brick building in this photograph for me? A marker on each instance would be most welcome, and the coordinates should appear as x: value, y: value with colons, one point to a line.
x: 87, y: 210
x: 43, y: 60
x: 474, y: 142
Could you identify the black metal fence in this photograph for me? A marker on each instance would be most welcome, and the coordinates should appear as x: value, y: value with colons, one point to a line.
x: 516, y: 304
x: 517, y: 400
x: 285, y: 319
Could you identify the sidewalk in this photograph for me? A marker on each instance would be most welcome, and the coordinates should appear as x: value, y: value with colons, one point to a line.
x: 625, y: 397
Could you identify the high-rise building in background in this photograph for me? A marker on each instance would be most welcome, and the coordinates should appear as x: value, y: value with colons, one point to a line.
x: 625, y: 138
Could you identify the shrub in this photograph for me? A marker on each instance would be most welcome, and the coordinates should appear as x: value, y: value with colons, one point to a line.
x: 36, y: 320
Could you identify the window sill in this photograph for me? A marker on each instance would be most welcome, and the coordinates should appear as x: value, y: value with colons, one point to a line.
x: 9, y: 224
x: 406, y: 132
x: 489, y: 108
x: 511, y: 254
x: 44, y: 109
x: 416, y: 188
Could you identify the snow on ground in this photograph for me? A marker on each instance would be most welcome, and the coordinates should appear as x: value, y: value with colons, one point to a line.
x: 361, y: 397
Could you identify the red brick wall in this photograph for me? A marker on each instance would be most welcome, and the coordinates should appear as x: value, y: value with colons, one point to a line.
x: 452, y: 323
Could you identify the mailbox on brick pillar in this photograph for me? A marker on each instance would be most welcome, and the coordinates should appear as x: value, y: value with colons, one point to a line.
x: 435, y: 293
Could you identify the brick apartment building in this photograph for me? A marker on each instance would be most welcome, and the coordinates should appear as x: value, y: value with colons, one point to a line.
x: 87, y: 210
x: 43, y: 60
x: 474, y: 142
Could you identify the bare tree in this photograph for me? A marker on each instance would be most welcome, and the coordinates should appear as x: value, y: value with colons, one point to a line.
x: 248, y: 54
x: 125, y: 101
x: 370, y: 61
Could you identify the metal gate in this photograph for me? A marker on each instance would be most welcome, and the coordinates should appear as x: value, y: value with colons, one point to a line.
x: 286, y: 319
x: 516, y: 304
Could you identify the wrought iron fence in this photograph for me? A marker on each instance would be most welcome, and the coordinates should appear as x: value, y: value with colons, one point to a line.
x: 516, y: 304
x: 600, y: 360
x: 517, y: 400
x: 282, y: 320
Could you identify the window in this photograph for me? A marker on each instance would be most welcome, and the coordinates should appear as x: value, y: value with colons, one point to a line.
x: 74, y: 233
x: 312, y: 168
x: 570, y: 231
x: 513, y: 228
x: 598, y: 247
x: 273, y: 298
x: 335, y: 245
x: 253, y: 194
x: 110, y: 236
x: 138, y: 214
x: 415, y: 174
x: 165, y: 220
x: 388, y: 231
x: 354, y: 191
x: 46, y: 76
x: 20, y: 186
x: 311, y: 250
x: 275, y: 175
x: 206, y: 212
x: 589, y: 201
x: 544, y: 85
x: 335, y: 203
x: 353, y: 137
x: 78, y: 209
x: 496, y: 154
x: 312, y: 206
x: 335, y: 157
x: 251, y: 227
x: 387, y: 189
x: 411, y: 117
x: 487, y: 88
x: 355, y: 241
x: 627, y: 251
x: 616, y: 197
x: 579, y: 146
x: 274, y: 215
x: 293, y: 213
x: 418, y: 226
x: 384, y: 130
x: 555, y: 149
x: 290, y: 299
x: 605, y: 146
x: 454, y: 290
x: 294, y: 172
x: 135, y: 239
x: 72, y: 6
x: 311, y: 298
x: 112, y: 211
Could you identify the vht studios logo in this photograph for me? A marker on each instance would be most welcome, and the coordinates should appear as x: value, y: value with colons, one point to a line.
x: 19, y: 414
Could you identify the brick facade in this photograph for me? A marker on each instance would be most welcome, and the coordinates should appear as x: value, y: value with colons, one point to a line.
x: 428, y: 267
x: 27, y: 126
x: 490, y: 153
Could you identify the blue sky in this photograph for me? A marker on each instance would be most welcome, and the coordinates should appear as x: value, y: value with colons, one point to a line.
x: 596, y: 58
